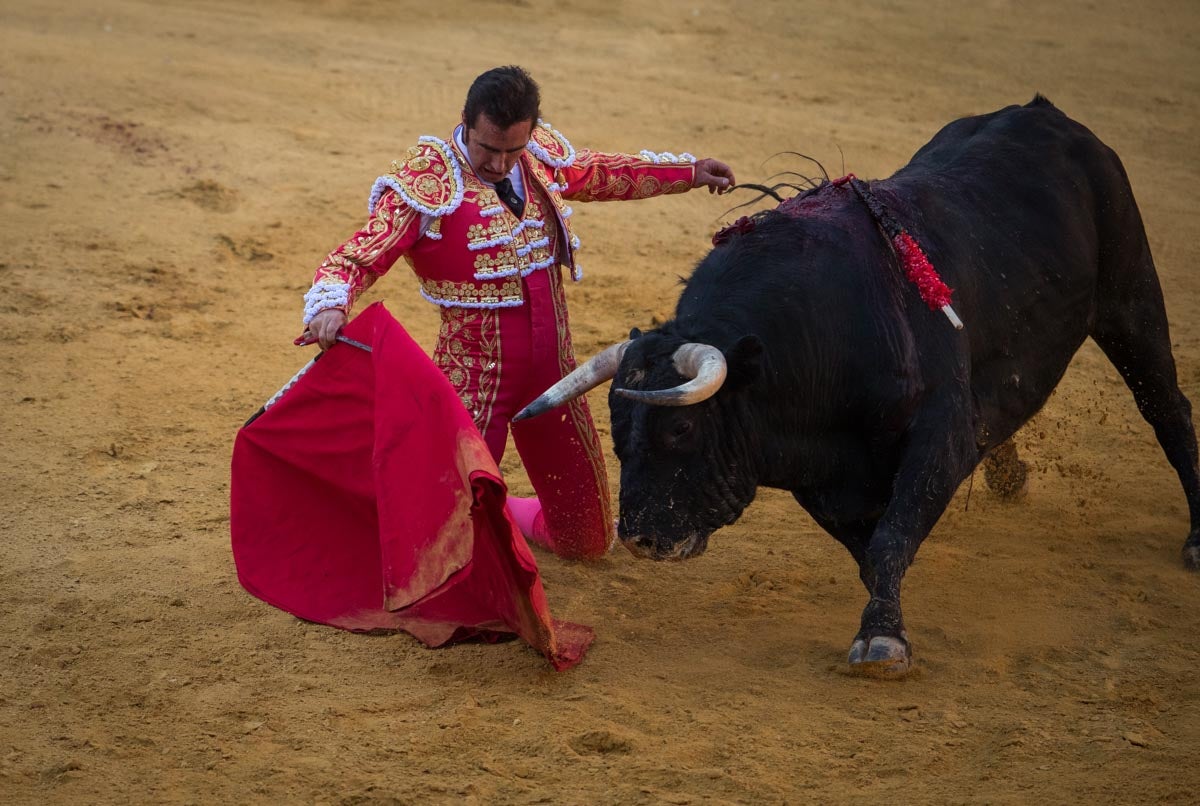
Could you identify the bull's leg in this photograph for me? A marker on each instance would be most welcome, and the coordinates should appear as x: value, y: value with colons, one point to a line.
x: 939, y: 456
x: 1133, y: 334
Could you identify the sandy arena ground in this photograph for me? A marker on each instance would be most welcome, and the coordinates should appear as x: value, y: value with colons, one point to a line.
x: 171, y: 174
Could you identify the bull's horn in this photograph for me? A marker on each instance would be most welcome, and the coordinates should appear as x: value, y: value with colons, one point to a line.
x: 702, y: 363
x: 595, y: 371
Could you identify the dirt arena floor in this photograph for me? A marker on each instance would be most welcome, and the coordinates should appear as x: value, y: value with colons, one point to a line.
x: 170, y: 176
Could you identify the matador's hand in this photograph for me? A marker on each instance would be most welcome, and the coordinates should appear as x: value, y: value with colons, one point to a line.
x: 326, y: 325
x: 715, y: 174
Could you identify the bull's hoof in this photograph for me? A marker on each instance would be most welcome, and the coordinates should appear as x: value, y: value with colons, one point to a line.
x: 884, y: 657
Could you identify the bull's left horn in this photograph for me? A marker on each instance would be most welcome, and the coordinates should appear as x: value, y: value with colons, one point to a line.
x: 595, y: 371
x: 702, y: 363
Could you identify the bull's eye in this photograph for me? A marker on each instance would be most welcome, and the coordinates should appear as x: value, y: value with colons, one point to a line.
x: 681, y: 429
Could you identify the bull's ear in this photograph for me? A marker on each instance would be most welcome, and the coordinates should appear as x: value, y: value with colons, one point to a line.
x: 635, y: 334
x: 744, y: 361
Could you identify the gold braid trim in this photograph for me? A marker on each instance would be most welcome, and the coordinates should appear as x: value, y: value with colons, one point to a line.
x: 352, y: 262
x: 474, y: 295
x: 427, y: 178
x: 609, y: 180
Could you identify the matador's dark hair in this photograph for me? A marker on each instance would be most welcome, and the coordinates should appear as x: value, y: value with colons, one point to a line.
x: 507, y: 95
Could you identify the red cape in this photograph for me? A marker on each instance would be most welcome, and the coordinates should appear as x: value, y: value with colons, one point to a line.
x: 363, y: 497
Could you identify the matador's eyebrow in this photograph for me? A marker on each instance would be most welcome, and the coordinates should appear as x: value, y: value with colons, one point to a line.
x: 493, y: 149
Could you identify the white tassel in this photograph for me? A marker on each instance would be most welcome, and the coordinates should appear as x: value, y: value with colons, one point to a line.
x: 323, y: 296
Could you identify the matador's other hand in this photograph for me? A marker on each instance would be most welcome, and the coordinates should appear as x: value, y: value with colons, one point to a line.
x: 326, y: 325
x: 715, y: 174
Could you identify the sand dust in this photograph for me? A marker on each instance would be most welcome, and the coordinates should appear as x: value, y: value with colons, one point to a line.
x: 170, y: 175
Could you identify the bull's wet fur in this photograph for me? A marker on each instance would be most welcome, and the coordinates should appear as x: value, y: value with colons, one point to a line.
x: 847, y: 390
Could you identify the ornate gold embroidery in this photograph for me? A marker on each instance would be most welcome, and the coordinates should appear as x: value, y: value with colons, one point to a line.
x: 424, y: 174
x: 504, y: 262
x: 380, y: 235
x: 490, y: 231
x: 537, y: 210
x: 516, y: 252
x: 484, y: 197
x: 351, y: 262
x: 469, y: 355
x: 480, y: 294
x: 426, y: 189
x: 603, y: 184
x: 611, y: 177
x: 553, y: 144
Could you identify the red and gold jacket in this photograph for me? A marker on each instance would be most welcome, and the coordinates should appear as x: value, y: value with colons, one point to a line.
x: 468, y: 249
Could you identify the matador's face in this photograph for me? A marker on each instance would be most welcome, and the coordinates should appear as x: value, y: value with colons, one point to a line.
x: 494, y: 151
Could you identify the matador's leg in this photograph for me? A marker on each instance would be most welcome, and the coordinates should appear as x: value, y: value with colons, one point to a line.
x: 561, y: 450
x: 498, y: 360
x: 562, y: 455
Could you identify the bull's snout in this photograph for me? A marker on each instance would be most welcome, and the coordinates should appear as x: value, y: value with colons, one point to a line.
x: 652, y: 548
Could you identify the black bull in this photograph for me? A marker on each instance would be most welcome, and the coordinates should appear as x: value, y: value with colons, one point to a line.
x: 843, y: 387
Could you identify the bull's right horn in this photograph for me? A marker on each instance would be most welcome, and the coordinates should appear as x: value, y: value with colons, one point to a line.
x: 703, y: 365
x: 595, y: 371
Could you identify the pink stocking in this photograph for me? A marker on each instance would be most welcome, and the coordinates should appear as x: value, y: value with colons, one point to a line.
x: 527, y: 512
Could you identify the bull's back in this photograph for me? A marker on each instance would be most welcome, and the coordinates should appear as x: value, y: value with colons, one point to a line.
x: 1011, y: 207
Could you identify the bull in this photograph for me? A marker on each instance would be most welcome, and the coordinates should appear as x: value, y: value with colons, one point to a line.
x: 800, y: 358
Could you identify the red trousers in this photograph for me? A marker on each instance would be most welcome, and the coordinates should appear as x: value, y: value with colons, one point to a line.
x: 500, y: 359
